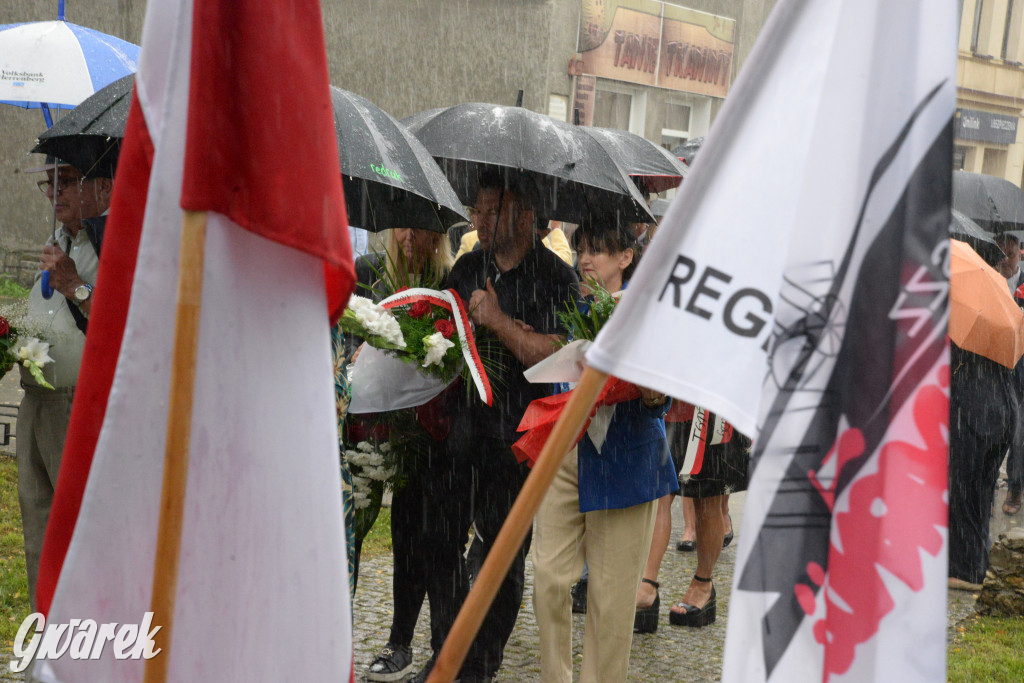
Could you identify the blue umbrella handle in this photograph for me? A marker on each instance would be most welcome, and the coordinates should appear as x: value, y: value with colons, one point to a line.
x: 44, y: 285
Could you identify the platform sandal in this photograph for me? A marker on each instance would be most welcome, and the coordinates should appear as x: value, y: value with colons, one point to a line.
x: 691, y: 615
x: 646, y: 619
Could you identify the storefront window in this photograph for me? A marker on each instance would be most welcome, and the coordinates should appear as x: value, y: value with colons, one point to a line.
x: 959, y: 155
x: 676, y: 129
x: 611, y: 109
x: 994, y: 162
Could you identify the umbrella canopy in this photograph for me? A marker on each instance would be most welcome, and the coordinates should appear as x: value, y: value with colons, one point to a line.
x: 964, y: 229
x: 983, y: 317
x: 575, y: 176
x: 642, y: 159
x: 90, y: 135
x: 688, y: 150
x: 390, y: 179
x: 57, y: 64
x: 995, y: 204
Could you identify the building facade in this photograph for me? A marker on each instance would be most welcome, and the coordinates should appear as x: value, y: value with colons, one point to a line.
x: 990, y: 76
x: 659, y: 69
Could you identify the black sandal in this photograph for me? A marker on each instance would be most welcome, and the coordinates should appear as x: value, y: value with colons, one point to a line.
x: 686, y: 546
x: 692, y: 615
x: 392, y: 664
x: 646, y: 619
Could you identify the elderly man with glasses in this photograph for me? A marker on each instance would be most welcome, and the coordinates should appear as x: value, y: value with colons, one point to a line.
x: 71, y: 257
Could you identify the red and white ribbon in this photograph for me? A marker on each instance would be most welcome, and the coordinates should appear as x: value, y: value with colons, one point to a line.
x: 450, y: 300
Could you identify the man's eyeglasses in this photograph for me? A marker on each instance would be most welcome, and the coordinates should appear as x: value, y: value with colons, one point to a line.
x: 62, y: 184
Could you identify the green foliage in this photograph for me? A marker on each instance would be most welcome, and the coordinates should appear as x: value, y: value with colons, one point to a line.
x: 987, y: 649
x: 378, y: 539
x: 12, y: 290
x: 14, y: 605
x: 584, y: 318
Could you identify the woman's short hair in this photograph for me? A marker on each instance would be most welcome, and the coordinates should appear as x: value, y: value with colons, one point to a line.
x: 607, y: 238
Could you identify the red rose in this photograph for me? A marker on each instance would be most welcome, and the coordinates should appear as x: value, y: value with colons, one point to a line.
x: 5, y: 327
x: 419, y: 309
x: 445, y: 327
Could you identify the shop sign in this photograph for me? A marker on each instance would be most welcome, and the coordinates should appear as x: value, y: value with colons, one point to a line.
x: 984, y: 126
x: 652, y: 43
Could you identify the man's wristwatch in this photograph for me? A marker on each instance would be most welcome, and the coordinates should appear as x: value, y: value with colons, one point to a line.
x: 83, y: 292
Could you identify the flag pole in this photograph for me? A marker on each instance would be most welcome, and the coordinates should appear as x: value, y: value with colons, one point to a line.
x: 516, y: 525
x: 179, y: 432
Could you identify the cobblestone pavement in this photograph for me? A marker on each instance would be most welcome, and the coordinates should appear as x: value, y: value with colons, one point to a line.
x: 671, y: 654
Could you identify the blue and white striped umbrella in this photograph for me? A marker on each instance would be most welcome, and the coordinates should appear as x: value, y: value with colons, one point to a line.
x: 57, y: 64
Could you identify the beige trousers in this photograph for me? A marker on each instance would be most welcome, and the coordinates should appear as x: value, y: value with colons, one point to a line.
x: 615, y: 545
x: 42, y: 425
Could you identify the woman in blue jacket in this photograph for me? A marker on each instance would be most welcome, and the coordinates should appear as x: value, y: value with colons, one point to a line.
x: 600, y: 509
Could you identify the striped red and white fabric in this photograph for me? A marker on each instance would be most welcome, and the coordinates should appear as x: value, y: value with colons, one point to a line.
x: 231, y: 115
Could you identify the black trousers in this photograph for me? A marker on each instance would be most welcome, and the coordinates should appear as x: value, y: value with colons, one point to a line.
x: 982, y: 423
x: 487, y: 481
x: 422, y: 542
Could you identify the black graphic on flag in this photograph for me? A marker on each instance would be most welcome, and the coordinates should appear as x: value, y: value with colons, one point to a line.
x: 880, y: 366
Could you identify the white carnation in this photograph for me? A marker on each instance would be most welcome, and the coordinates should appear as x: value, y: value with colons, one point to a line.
x: 436, y: 346
x: 379, y: 473
x: 377, y: 320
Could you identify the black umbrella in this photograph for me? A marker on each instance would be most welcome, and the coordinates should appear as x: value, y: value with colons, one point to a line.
x: 643, y: 160
x: 688, y: 150
x: 89, y: 136
x: 574, y: 175
x: 966, y: 230
x: 995, y: 204
x: 390, y: 179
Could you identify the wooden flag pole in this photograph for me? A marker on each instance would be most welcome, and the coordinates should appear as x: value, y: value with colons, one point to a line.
x: 179, y: 432
x: 517, y: 524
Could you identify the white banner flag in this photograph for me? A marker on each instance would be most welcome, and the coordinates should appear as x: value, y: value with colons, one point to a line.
x: 798, y: 286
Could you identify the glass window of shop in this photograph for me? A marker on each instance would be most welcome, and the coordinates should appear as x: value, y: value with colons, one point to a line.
x: 994, y: 162
x: 619, y: 106
x: 959, y: 157
x: 676, y: 129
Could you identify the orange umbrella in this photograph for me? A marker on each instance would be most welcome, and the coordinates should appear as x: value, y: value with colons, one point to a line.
x: 983, y: 318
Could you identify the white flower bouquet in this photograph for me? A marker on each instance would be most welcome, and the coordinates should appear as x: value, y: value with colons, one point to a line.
x: 16, y: 346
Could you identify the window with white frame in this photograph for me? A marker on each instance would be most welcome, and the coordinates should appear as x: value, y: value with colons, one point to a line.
x: 617, y: 105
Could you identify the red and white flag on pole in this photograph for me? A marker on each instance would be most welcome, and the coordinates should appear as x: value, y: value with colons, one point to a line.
x: 231, y: 115
x: 803, y: 269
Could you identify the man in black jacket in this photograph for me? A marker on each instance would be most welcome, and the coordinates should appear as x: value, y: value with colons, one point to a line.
x: 514, y: 288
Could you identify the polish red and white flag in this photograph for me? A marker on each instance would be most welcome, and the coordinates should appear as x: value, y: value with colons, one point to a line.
x: 231, y: 115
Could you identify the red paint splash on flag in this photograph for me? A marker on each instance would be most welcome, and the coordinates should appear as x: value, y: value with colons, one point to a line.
x: 893, y: 514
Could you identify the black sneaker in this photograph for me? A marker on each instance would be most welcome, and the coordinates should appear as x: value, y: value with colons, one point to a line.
x: 579, y: 597
x: 392, y: 664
